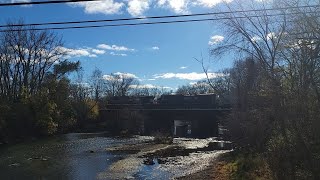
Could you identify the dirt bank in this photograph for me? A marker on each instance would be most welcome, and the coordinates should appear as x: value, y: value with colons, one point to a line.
x: 181, y: 158
x: 234, y: 165
x: 217, y: 170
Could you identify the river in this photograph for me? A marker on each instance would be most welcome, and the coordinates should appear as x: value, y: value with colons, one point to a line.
x: 84, y: 156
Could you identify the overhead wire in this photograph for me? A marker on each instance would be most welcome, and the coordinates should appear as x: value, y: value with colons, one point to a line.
x: 31, y: 25
x: 146, y: 23
x: 160, y: 17
x: 43, y: 2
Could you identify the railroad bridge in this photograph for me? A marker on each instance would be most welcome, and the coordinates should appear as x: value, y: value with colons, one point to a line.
x: 183, y: 116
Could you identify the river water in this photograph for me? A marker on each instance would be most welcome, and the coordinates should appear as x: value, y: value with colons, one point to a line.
x: 83, y: 156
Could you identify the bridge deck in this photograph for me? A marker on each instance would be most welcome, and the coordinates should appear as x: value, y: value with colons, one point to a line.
x: 167, y: 109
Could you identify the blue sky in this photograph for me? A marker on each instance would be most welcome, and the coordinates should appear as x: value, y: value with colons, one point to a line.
x: 158, y: 55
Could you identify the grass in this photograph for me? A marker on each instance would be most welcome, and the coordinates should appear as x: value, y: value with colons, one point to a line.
x: 241, y: 165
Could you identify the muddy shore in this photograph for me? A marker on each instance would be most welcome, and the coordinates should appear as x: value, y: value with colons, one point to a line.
x: 183, y: 159
x: 215, y: 171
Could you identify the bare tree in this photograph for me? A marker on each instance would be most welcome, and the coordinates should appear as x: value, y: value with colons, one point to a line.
x: 147, y: 90
x: 219, y: 85
x: 200, y: 87
x: 119, y: 84
x: 26, y: 56
x: 85, y: 108
x: 276, y: 83
x: 259, y: 36
x: 97, y: 84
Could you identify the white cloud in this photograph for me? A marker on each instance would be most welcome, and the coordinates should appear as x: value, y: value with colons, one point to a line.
x: 107, y: 77
x: 186, y: 76
x: 81, y: 52
x: 210, y: 3
x: 15, y: 1
x: 263, y: 0
x: 271, y: 35
x: 216, y: 39
x: 103, y: 6
x: 98, y: 51
x: 127, y: 75
x: 92, y: 55
x: 155, y: 48
x: 118, y: 54
x: 162, y: 2
x: 138, y: 7
x: 121, y: 75
x: 151, y: 79
x: 256, y: 38
x: 114, y: 47
x: 149, y: 86
x: 182, y: 6
x: 178, y: 6
x: 183, y: 67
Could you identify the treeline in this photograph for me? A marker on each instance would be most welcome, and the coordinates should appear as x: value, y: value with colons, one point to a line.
x: 37, y: 96
x: 121, y: 84
x: 274, y: 86
x: 219, y: 85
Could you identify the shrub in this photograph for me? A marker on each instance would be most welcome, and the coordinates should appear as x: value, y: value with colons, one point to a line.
x: 162, y: 138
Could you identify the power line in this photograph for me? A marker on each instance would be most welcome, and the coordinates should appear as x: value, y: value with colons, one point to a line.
x: 110, y: 20
x: 144, y: 23
x: 159, y: 17
x: 43, y: 2
x: 111, y: 25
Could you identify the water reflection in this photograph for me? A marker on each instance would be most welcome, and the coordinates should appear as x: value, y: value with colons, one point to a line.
x: 84, y: 156
x: 69, y: 156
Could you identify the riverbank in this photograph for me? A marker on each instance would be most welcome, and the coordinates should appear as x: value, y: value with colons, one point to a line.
x: 184, y: 157
x: 189, y: 159
x: 234, y: 165
x: 99, y: 156
x: 70, y: 156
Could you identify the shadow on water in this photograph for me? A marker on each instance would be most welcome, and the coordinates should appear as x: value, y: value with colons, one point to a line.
x: 71, y: 156
x: 84, y: 155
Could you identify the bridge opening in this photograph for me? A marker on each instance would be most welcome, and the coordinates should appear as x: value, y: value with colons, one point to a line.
x: 182, y: 128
